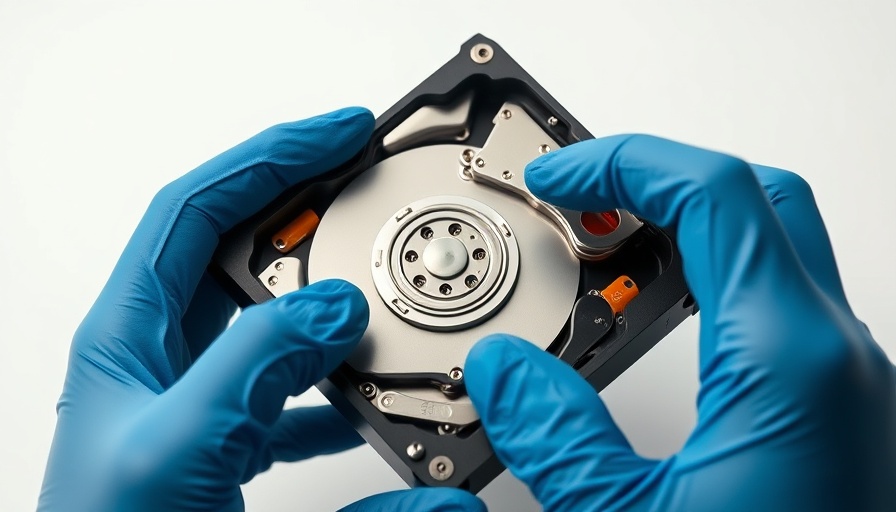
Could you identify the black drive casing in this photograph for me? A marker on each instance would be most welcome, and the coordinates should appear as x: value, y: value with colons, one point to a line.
x: 649, y: 257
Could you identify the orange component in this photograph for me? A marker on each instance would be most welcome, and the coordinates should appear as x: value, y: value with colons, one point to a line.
x: 600, y: 224
x: 296, y: 231
x: 619, y: 293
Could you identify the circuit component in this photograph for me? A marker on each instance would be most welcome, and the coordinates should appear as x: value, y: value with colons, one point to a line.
x: 296, y: 231
x: 619, y: 293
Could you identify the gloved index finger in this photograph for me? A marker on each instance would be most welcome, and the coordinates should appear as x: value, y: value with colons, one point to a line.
x: 737, y: 258
x: 184, y: 221
x: 155, y: 278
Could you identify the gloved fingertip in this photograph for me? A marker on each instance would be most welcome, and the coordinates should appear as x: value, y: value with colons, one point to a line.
x: 361, y: 117
x: 335, y: 287
x: 316, y: 144
x: 331, y: 311
x: 430, y: 499
x: 489, y: 351
x: 539, y: 172
x: 456, y: 500
x: 447, y: 500
x: 491, y: 365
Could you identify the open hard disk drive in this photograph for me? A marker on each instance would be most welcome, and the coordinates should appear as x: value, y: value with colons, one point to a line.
x: 434, y: 223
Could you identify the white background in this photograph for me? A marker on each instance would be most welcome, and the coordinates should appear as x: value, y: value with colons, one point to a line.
x: 102, y: 103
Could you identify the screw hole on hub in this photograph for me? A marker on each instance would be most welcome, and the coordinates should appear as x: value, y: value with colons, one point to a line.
x: 454, y: 229
x: 479, y: 254
x: 410, y: 256
x: 426, y: 233
x: 419, y: 281
x: 445, y: 289
x: 471, y: 281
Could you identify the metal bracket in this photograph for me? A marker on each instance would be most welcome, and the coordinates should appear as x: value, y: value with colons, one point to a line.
x: 455, y: 412
x: 282, y: 276
x: 430, y: 122
x: 515, y: 141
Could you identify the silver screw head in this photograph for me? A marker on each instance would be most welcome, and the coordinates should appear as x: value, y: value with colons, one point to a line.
x: 620, y: 319
x: 506, y: 114
x: 388, y: 400
x: 279, y: 265
x: 507, y: 175
x: 467, y: 155
x: 482, y: 53
x: 272, y: 280
x: 544, y: 148
x: 441, y: 468
x: 456, y: 374
x: 552, y: 121
x: 368, y: 390
x: 416, y: 451
x: 480, y: 162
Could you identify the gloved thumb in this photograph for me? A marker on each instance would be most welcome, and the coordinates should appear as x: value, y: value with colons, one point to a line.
x: 550, y: 428
x: 272, y: 351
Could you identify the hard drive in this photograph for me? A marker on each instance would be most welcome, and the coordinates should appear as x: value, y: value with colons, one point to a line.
x: 434, y: 223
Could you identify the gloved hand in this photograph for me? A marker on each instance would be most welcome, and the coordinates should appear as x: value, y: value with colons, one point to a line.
x: 163, y: 409
x: 797, y: 405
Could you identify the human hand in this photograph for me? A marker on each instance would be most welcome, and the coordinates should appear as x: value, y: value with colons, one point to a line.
x: 144, y: 422
x: 797, y: 405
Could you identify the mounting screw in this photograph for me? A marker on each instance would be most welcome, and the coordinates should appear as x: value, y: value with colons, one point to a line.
x: 387, y: 401
x: 506, y: 114
x: 593, y: 293
x: 620, y: 319
x: 480, y: 162
x: 456, y: 374
x: 441, y: 468
x: 481, y: 53
x: 544, y: 148
x: 279, y: 265
x: 552, y: 121
x: 368, y: 390
x: 507, y: 175
x: 416, y: 451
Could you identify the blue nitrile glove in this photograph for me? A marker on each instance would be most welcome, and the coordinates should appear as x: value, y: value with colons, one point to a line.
x: 797, y: 406
x: 144, y: 422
